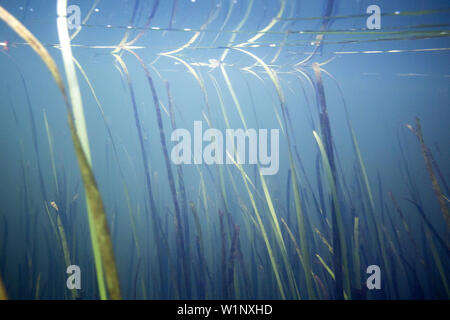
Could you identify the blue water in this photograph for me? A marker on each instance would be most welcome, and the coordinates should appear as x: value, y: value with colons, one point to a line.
x: 385, y: 78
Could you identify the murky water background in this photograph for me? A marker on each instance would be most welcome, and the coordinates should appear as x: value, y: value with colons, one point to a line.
x: 311, y: 69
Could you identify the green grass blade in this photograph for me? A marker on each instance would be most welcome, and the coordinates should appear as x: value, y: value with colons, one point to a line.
x: 93, y: 197
x: 332, y: 187
x: 438, y: 262
x: 3, y: 294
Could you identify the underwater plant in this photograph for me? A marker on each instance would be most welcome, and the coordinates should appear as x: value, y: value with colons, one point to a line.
x: 110, y: 200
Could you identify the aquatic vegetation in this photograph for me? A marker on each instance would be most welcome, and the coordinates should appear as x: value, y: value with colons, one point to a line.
x: 155, y: 229
x: 3, y: 294
x: 101, y: 234
x: 427, y: 157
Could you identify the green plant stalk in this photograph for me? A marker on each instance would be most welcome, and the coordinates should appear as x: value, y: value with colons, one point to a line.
x: 368, y: 190
x: 340, y: 253
x: 92, y: 194
x: 52, y: 154
x: 81, y: 131
x: 300, y: 217
x: 180, y: 174
x: 434, y: 232
x: 261, y: 32
x: 235, y: 31
x: 436, y: 188
x: 156, y: 225
x: 197, y: 78
x: 327, y: 268
x: 192, y: 39
x: 38, y: 285
x: 367, y: 187
x: 337, y: 212
x: 65, y: 247
x: 99, y: 220
x: 180, y: 238
x: 324, y: 240
x: 247, y: 217
x: 303, y: 239
x: 274, y: 220
x: 264, y: 234
x: 3, y: 294
x: 125, y: 187
x: 356, y: 259
x: 228, y: 16
x: 231, y: 271
x: 292, y: 237
x: 438, y: 261
x: 223, y: 255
